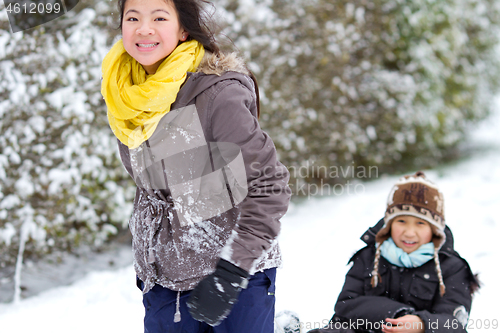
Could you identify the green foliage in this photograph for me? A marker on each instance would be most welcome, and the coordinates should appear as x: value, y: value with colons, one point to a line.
x: 386, y: 83
x: 60, y: 177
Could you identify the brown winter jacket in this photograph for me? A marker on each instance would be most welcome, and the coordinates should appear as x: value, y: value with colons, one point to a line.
x: 210, y: 185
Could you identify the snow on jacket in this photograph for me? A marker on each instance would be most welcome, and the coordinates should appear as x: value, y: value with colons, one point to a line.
x: 407, y: 290
x: 210, y: 137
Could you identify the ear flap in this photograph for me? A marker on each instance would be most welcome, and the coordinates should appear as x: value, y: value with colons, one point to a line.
x: 438, y: 237
x: 384, y: 233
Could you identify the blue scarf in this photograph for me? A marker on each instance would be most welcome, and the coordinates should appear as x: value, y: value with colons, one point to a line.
x: 400, y: 258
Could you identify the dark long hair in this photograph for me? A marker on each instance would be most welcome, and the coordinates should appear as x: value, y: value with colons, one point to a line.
x: 196, y: 21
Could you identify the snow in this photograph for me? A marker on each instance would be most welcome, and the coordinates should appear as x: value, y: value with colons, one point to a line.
x: 10, y: 201
x: 219, y: 286
x: 7, y: 233
x: 319, y: 236
x: 101, y: 302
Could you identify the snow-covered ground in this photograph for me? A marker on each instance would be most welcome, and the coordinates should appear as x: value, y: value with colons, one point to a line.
x: 318, y: 237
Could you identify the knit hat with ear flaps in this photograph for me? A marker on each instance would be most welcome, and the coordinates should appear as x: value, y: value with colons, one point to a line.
x: 414, y: 195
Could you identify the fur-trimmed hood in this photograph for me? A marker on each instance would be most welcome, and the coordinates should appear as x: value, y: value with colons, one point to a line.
x: 223, y: 62
x: 212, y: 70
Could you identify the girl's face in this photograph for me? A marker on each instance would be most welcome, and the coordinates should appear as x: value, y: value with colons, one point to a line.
x: 151, y: 31
x: 410, y: 232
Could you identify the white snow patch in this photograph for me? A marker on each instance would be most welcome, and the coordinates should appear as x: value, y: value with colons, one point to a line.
x: 7, y: 233
x: 219, y: 287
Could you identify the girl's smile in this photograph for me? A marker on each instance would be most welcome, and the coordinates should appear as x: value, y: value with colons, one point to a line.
x: 151, y: 31
x: 145, y: 46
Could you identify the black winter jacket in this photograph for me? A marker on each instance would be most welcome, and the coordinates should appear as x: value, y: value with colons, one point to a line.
x: 407, y: 290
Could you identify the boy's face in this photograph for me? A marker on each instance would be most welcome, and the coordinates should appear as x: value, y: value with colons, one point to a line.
x: 410, y: 232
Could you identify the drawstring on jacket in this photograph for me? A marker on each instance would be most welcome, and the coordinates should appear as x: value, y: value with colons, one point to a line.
x: 177, y: 316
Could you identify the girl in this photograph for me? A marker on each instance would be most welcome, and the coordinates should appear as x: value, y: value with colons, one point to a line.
x: 210, y: 190
x: 408, y: 278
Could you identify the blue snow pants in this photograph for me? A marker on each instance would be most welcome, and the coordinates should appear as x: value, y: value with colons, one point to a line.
x: 253, y: 313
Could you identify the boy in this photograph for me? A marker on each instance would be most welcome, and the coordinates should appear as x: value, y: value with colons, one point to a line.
x: 408, y: 278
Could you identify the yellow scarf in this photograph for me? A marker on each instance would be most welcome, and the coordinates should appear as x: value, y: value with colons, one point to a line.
x: 137, y: 102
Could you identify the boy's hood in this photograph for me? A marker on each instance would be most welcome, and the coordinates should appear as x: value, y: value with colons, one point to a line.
x: 369, y: 237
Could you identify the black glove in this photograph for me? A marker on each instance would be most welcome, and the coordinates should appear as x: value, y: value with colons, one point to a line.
x: 214, y: 297
x: 403, y: 312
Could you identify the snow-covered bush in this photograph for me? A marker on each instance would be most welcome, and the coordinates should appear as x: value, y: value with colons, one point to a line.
x: 357, y: 83
x: 61, y: 181
x: 386, y: 83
